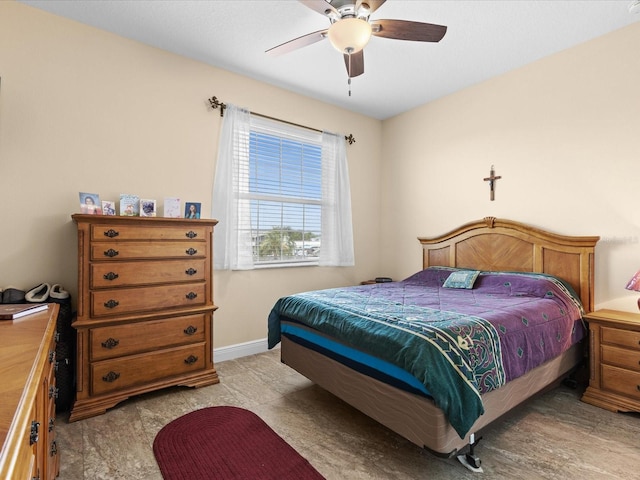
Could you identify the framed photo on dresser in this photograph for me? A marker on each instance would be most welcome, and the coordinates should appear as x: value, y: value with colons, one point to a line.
x: 191, y: 210
x: 147, y: 207
x: 90, y: 203
x: 172, y: 207
x: 129, y: 205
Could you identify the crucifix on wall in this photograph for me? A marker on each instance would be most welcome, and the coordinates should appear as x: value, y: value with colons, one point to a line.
x: 492, y: 178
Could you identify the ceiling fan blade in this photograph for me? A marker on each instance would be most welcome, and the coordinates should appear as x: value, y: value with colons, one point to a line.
x: 407, y: 30
x: 373, y: 4
x: 320, y: 6
x: 354, y: 63
x: 299, y: 42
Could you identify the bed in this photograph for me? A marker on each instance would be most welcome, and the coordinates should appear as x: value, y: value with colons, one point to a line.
x: 493, y: 317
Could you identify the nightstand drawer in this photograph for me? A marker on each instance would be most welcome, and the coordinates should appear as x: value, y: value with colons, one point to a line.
x: 623, y: 338
x: 621, y: 357
x: 621, y: 381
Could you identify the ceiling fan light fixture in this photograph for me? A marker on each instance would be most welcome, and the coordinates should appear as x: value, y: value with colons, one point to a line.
x: 364, y: 10
x: 349, y: 35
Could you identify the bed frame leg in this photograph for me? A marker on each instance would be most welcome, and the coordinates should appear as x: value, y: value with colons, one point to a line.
x: 470, y: 460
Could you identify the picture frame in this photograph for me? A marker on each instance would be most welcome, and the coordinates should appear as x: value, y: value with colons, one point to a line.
x: 147, y: 207
x: 192, y: 210
x: 129, y: 205
x: 90, y: 203
x: 172, y: 207
x: 108, y: 207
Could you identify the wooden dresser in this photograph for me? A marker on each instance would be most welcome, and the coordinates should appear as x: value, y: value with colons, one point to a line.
x: 145, y: 308
x: 28, y: 393
x: 614, y: 357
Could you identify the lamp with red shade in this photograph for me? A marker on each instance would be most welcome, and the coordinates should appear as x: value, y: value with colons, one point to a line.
x: 634, y: 284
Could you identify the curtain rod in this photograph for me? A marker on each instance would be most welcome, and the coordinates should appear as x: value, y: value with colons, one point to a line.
x: 215, y: 104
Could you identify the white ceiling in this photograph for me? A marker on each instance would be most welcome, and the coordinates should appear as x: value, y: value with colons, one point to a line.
x: 484, y: 39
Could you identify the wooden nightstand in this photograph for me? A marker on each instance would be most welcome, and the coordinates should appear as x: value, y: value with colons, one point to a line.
x: 614, y: 360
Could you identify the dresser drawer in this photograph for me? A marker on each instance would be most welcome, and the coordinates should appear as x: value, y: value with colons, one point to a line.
x: 121, y: 340
x: 121, y: 373
x: 108, y: 275
x: 623, y: 338
x: 114, y: 233
x: 117, y: 251
x: 621, y: 357
x: 132, y: 300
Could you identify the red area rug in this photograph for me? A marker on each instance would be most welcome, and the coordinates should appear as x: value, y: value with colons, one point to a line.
x: 227, y: 443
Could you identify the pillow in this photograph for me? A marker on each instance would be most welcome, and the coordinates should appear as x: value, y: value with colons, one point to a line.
x: 461, y: 279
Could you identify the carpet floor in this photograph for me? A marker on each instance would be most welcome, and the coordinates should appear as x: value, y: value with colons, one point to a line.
x: 227, y: 443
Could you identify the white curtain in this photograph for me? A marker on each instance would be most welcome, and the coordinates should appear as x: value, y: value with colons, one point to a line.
x: 337, y: 230
x: 232, y: 240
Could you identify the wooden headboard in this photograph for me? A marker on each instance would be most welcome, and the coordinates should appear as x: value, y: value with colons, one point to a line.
x: 494, y: 244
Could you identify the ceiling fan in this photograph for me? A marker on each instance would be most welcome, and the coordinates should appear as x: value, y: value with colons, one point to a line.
x: 351, y: 29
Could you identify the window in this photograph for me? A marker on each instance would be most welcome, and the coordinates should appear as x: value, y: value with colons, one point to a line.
x: 281, y: 195
x: 285, y: 194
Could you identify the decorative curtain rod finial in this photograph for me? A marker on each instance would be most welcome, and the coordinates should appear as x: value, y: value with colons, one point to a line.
x: 350, y: 138
x: 215, y: 104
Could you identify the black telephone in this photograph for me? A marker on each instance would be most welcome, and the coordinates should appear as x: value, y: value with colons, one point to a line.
x: 383, y: 279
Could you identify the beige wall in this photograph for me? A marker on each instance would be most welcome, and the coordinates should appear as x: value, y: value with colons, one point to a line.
x: 85, y: 110
x: 564, y: 134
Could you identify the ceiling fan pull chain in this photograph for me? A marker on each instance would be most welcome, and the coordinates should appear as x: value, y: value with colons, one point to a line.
x: 349, y: 51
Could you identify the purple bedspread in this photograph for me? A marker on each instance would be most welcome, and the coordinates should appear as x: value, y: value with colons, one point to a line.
x: 537, y: 316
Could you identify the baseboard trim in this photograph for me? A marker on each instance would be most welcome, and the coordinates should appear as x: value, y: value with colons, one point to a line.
x: 239, y: 350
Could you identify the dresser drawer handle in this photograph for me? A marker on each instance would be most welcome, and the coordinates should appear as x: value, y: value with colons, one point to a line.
x: 52, y: 357
x: 35, y: 428
x: 54, y: 449
x: 191, y: 359
x: 53, y: 392
x: 190, y: 330
x: 110, y: 276
x: 191, y: 295
x: 191, y: 251
x: 191, y: 234
x: 52, y: 424
x: 110, y: 343
x: 111, y: 377
x: 111, y: 253
x: 111, y: 304
x: 111, y: 233
x: 191, y: 271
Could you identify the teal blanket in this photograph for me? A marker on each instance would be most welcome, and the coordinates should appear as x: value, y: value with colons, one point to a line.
x: 439, y: 348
